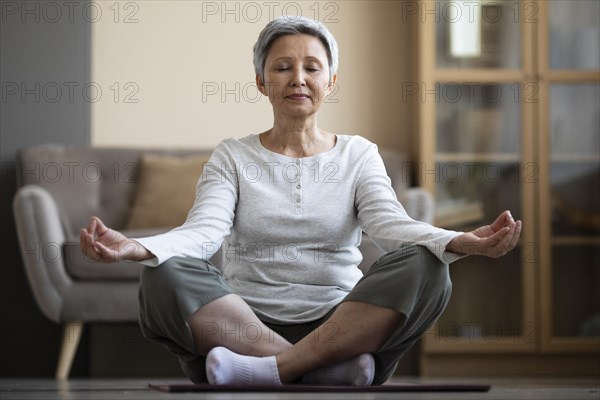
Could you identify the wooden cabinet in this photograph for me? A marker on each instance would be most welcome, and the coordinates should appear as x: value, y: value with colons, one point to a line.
x: 509, y: 118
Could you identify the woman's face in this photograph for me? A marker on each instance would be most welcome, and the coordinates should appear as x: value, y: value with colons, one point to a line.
x: 296, y: 75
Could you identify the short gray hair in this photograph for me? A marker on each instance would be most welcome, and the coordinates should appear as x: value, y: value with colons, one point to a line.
x: 293, y: 25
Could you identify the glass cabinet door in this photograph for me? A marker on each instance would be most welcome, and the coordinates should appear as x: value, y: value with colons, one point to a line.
x: 570, y: 192
x: 478, y: 34
x: 478, y: 170
x: 481, y: 151
x: 574, y: 34
x: 575, y: 209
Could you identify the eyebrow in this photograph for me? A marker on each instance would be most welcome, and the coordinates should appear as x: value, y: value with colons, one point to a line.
x: 288, y: 58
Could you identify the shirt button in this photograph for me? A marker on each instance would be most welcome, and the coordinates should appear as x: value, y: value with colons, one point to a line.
x: 298, y: 200
x: 298, y: 186
x: 298, y: 162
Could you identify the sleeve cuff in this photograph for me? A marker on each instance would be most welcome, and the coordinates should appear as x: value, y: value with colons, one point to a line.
x: 159, y: 256
x: 448, y: 257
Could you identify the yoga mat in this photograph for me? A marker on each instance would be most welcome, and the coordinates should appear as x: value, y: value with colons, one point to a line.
x: 405, y: 387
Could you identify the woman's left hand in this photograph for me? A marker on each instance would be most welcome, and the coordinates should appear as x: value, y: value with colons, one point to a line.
x: 493, y: 240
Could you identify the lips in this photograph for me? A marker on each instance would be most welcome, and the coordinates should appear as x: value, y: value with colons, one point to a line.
x: 298, y: 96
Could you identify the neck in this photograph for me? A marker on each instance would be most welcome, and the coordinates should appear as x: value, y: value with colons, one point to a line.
x: 297, y: 137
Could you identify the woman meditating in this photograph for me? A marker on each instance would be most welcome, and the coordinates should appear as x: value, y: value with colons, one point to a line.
x: 289, y: 206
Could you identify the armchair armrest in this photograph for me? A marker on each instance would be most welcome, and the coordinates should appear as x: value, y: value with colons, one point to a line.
x: 419, y: 204
x: 41, y: 237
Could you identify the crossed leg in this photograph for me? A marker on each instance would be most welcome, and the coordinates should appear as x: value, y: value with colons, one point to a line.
x: 224, y: 321
x: 353, y: 329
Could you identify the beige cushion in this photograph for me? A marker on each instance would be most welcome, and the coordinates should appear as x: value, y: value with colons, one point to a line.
x: 165, y: 191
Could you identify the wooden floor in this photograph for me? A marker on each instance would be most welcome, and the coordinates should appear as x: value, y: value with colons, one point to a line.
x: 502, y: 389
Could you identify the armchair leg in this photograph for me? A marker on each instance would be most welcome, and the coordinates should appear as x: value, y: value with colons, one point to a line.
x: 71, y: 336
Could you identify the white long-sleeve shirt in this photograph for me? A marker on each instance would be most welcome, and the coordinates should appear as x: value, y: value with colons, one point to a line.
x: 291, y: 227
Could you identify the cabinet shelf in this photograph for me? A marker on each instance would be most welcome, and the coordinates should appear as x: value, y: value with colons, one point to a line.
x: 576, y: 241
x: 478, y: 157
x: 575, y: 76
x: 469, y: 344
x: 481, y: 75
x: 575, y: 158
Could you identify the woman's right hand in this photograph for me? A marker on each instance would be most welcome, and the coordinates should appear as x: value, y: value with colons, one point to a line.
x: 102, y: 244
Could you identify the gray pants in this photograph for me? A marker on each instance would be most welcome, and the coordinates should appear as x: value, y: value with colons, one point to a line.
x: 410, y: 280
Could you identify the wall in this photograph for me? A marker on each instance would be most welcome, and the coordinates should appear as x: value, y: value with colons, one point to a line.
x: 40, y: 59
x: 191, y: 80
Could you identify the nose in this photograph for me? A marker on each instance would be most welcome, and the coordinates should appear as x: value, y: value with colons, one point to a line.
x: 298, y: 79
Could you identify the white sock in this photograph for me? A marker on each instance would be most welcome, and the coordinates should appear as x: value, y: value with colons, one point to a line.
x: 357, y: 371
x: 224, y: 367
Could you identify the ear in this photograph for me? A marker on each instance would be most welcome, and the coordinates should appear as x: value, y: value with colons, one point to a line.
x: 261, y: 86
x: 330, y: 85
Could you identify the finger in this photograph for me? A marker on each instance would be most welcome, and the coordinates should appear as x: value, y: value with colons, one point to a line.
x: 498, y: 222
x: 101, y: 251
x: 83, y: 239
x: 494, y: 239
x: 106, y: 254
x: 516, y: 235
x: 504, y: 246
x: 91, y: 226
x: 91, y: 252
x: 502, y: 220
x: 102, y: 229
x: 87, y: 237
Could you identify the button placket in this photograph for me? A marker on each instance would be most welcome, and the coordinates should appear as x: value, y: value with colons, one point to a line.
x: 297, y: 197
